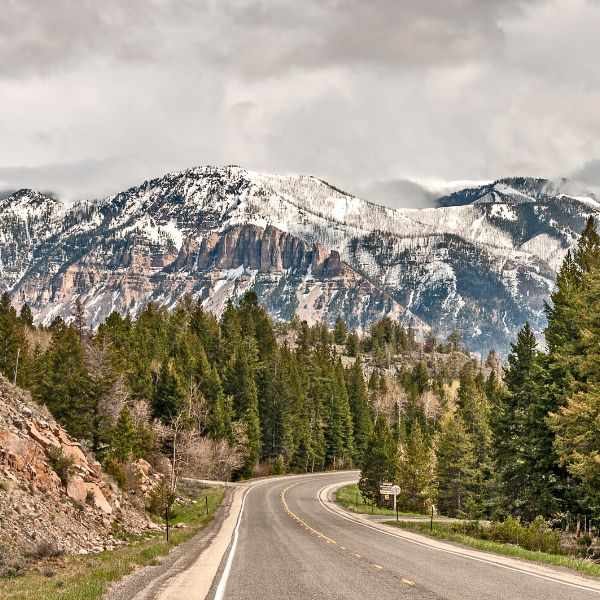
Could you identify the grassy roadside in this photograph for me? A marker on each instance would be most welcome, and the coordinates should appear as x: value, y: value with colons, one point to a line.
x: 443, y: 532
x: 350, y: 498
x: 88, y: 577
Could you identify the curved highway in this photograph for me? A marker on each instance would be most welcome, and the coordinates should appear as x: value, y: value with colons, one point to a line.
x: 290, y: 544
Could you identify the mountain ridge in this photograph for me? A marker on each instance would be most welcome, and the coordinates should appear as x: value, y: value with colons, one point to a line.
x: 483, y: 266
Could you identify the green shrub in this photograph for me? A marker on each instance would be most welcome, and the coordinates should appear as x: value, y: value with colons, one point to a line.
x: 160, y: 498
x: 117, y: 471
x: 60, y: 463
x: 537, y: 535
x: 278, y: 466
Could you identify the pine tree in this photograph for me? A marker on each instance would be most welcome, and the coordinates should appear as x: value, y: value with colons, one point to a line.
x: 379, y: 461
x: 340, y: 331
x: 64, y: 385
x: 563, y: 312
x: 79, y: 318
x: 26, y: 315
x: 396, y: 424
x: 415, y: 472
x: 576, y: 422
x: 231, y: 332
x: 456, y: 468
x: 352, y: 344
x: 206, y: 328
x: 568, y: 342
x: 339, y: 436
x: 474, y: 411
x: 13, y: 344
x: 420, y: 378
x: 218, y: 419
x: 123, y: 439
x: 241, y: 384
x: 361, y: 417
x: 169, y: 394
x: 344, y: 415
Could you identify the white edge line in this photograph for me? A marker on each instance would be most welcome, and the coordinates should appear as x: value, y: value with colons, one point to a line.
x: 447, y: 551
x: 220, y: 593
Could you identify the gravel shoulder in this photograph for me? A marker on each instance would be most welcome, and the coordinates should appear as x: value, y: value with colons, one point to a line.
x: 148, y: 582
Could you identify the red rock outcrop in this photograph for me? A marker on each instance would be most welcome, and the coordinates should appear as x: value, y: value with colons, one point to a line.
x: 79, y: 513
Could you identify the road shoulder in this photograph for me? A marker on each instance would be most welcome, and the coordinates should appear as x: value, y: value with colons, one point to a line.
x: 564, y: 576
x: 147, y: 583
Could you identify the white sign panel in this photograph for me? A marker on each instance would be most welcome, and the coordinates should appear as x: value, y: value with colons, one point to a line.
x: 389, y: 489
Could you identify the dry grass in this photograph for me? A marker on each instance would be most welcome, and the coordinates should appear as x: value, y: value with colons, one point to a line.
x: 88, y: 577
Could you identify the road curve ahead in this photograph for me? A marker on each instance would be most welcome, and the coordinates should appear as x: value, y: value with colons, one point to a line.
x: 290, y: 545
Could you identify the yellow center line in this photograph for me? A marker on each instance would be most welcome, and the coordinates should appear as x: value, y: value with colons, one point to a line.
x: 302, y: 522
x: 320, y: 534
x: 407, y: 581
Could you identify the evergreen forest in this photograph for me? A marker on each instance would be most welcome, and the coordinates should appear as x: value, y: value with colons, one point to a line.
x: 242, y: 395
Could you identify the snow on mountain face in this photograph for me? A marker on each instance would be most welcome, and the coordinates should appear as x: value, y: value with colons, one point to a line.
x: 26, y: 218
x: 484, y: 261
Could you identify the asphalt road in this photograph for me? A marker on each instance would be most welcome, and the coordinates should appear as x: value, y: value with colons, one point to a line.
x: 290, y: 546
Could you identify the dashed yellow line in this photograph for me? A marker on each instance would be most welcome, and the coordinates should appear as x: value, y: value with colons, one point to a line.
x: 326, y: 538
x: 302, y: 522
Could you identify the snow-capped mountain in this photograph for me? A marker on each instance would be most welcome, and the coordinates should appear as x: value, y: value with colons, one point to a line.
x: 483, y: 261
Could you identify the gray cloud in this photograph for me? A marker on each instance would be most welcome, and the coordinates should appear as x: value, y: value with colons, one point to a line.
x: 96, y: 96
x: 398, y: 193
x: 589, y: 173
x: 86, y: 179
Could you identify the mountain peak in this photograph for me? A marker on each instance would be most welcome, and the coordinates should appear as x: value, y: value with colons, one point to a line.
x: 27, y: 200
x: 516, y: 190
x: 485, y: 262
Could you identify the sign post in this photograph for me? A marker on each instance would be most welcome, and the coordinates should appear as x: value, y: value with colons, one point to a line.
x: 389, y: 489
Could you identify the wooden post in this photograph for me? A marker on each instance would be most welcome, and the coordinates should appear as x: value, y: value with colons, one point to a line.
x: 206, y: 498
x: 167, y: 520
x: 16, y: 366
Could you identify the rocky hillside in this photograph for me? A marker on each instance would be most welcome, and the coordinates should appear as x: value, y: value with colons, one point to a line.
x: 484, y: 261
x: 53, y: 496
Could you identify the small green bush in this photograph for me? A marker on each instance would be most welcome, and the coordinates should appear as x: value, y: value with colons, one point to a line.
x: 278, y: 466
x: 117, y: 471
x: 537, y: 535
x: 60, y: 463
x: 160, y: 498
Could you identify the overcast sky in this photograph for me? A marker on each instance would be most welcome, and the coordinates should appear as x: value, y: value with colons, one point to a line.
x: 96, y: 96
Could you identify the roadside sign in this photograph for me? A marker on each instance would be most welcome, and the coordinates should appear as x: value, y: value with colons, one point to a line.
x: 389, y: 489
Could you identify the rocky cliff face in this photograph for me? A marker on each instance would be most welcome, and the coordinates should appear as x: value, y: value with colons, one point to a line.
x: 483, y: 262
x: 77, y: 514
